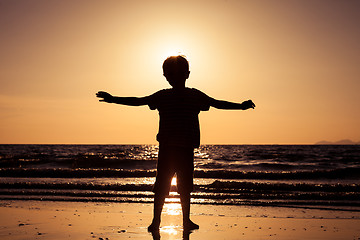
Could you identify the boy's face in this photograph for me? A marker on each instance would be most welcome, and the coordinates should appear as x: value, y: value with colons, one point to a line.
x: 177, y: 77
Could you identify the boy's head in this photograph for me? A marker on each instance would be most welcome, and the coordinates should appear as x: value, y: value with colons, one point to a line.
x: 176, y: 71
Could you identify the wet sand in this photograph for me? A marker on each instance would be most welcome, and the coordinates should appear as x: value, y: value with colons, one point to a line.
x: 78, y: 221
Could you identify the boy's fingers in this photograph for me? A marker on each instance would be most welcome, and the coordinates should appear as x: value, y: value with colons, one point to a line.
x: 252, y: 104
x: 101, y: 93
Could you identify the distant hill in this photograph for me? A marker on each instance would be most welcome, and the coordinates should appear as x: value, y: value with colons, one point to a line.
x: 341, y: 142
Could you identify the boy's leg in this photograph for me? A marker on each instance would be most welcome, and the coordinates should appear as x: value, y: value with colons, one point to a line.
x: 185, y: 205
x: 162, y: 185
x: 159, y: 200
x: 185, y: 172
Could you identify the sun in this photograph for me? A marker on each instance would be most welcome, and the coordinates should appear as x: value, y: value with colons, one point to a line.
x: 172, y: 52
x: 173, y: 48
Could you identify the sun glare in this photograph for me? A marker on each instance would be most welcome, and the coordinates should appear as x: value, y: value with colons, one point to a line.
x: 173, y: 49
x: 172, y: 52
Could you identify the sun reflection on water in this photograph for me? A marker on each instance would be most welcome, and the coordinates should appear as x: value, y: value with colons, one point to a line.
x: 171, y: 230
x: 172, y: 208
x: 173, y: 211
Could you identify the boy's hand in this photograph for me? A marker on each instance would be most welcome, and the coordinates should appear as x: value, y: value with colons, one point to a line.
x: 107, y: 97
x: 248, y: 104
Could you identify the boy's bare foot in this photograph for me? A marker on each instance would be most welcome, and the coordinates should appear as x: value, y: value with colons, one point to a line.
x: 189, y: 225
x: 154, y: 227
x: 155, y: 234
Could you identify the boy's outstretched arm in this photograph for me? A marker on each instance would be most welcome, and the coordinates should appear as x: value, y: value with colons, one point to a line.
x: 220, y: 104
x: 130, y: 101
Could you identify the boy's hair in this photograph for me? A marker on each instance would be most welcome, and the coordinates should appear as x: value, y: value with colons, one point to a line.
x: 176, y: 62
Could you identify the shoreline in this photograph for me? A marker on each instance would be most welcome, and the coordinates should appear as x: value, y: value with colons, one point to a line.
x: 98, y: 220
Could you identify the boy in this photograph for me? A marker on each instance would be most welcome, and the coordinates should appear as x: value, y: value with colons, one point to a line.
x: 178, y: 135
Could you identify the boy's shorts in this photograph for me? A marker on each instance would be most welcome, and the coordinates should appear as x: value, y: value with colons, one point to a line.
x: 171, y: 160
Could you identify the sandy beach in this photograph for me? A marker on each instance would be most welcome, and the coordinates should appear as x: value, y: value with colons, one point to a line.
x: 78, y: 220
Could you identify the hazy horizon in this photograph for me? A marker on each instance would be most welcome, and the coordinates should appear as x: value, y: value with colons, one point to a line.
x: 323, y: 142
x: 297, y: 60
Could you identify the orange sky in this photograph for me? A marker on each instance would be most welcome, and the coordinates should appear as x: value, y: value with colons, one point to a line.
x: 297, y: 60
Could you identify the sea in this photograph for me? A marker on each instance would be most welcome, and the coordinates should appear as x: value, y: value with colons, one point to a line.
x: 298, y: 176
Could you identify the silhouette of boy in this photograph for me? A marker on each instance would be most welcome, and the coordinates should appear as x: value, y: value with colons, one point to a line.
x: 178, y: 134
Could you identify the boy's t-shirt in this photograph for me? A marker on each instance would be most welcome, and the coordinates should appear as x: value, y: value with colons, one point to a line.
x: 179, y: 110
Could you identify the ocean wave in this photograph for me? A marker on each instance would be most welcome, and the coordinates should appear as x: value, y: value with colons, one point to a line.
x: 345, y: 173
x: 217, y: 192
x: 224, y: 174
x: 221, y: 157
x: 218, y: 188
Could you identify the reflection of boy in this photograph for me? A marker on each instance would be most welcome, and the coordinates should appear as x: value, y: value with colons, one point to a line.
x: 179, y: 132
